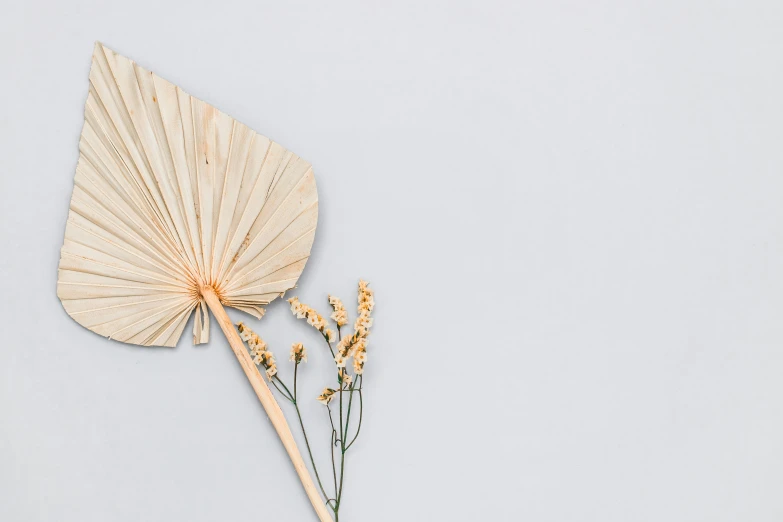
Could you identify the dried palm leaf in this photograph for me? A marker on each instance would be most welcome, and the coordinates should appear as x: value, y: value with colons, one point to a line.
x: 178, y: 208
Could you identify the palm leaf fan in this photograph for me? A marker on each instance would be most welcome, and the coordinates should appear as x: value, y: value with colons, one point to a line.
x: 178, y: 208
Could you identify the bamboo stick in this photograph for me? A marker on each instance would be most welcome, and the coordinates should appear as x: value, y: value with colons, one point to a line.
x: 267, y: 401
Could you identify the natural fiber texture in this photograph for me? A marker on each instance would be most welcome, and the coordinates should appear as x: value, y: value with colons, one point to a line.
x: 171, y: 195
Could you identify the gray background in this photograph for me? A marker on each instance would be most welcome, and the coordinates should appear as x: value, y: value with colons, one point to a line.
x: 570, y: 212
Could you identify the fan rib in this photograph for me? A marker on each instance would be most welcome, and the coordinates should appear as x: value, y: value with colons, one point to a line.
x: 119, y: 112
x: 122, y: 305
x: 243, y: 277
x: 172, y: 200
x: 265, y: 224
x: 151, y: 214
x: 240, y: 146
x: 115, y: 244
x: 153, y: 218
x: 232, y: 201
x: 254, y: 206
x: 145, y: 246
x: 169, y: 99
x: 122, y: 72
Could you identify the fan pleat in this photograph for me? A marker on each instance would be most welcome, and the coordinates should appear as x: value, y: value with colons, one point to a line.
x: 278, y: 198
x: 292, y: 245
x: 171, y: 194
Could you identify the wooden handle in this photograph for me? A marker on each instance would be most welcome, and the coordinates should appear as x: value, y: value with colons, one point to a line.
x: 267, y: 401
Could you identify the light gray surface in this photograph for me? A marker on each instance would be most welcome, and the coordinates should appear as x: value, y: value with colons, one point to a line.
x: 570, y: 212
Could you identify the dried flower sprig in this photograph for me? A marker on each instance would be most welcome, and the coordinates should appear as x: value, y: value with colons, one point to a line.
x: 344, y: 378
x: 339, y: 316
x: 298, y: 353
x: 356, y: 345
x: 314, y: 319
x: 340, y: 397
x: 262, y: 356
x: 326, y: 396
x: 258, y: 349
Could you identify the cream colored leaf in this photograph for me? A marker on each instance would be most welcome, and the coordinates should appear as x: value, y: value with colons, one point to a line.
x: 171, y: 195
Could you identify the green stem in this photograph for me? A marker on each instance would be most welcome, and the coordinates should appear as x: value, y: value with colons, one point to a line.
x: 296, y: 371
x: 288, y: 394
x: 361, y: 411
x: 307, y: 441
x: 359, y: 427
x: 342, y: 452
x: 332, y: 444
x: 284, y: 394
x: 350, y: 401
x: 329, y: 345
x: 342, y: 476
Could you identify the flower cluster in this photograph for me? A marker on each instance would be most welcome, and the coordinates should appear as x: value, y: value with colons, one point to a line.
x: 298, y: 353
x: 326, y: 396
x: 356, y: 345
x: 366, y: 304
x: 258, y: 349
x: 347, y: 394
x: 344, y: 378
x: 339, y: 316
x: 314, y: 319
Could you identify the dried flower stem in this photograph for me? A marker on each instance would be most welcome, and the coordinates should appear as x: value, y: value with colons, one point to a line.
x: 304, y: 432
x: 361, y: 410
x: 354, y: 347
x: 344, y: 435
